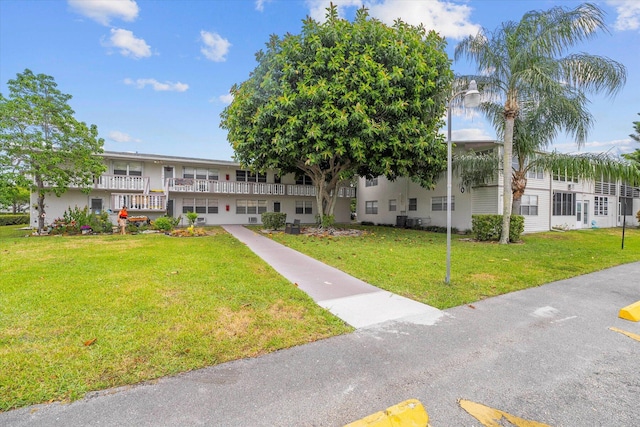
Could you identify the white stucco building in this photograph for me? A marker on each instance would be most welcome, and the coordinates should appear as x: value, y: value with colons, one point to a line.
x: 549, y: 201
x: 221, y: 192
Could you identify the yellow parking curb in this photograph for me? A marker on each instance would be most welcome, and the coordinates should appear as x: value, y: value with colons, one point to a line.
x: 409, y: 413
x: 631, y: 312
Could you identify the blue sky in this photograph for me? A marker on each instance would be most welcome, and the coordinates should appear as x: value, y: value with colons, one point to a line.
x: 155, y: 75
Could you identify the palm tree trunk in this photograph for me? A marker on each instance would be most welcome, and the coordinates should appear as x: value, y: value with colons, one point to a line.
x: 506, y: 170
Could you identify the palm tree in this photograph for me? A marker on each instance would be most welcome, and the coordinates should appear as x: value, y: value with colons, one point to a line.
x: 635, y: 156
x: 522, y: 64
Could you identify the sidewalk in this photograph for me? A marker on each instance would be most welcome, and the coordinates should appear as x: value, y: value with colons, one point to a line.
x: 354, y: 301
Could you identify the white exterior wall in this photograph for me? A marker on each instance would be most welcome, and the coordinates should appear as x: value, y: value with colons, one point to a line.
x: 156, y: 171
x: 487, y: 199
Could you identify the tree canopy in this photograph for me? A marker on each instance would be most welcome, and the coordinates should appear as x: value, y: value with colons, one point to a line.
x: 344, y: 98
x: 530, y: 64
x: 40, y: 139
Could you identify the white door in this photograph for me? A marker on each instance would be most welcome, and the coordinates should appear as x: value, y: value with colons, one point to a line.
x: 579, y: 214
x: 585, y: 214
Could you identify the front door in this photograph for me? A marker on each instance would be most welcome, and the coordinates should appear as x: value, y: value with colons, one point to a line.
x: 167, y: 173
x: 170, y: 208
x: 585, y: 213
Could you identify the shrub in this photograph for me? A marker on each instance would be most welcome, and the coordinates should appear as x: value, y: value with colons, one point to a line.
x: 274, y: 220
x: 165, y: 223
x: 14, y: 219
x: 489, y: 227
x: 192, y: 217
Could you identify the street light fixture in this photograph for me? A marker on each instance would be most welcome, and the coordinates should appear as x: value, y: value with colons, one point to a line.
x: 471, y: 100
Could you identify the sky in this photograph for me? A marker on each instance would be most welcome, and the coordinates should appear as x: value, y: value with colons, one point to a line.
x: 154, y: 76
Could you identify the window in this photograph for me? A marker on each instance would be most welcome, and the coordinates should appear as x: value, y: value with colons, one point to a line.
x: 241, y: 206
x: 627, y: 190
x: 187, y: 172
x: 564, y: 204
x: 440, y: 203
x: 201, y: 206
x: 251, y: 207
x: 127, y: 168
x: 413, y: 204
x: 248, y: 176
x: 564, y: 176
x: 304, y: 207
x: 529, y: 205
x: 303, y: 180
x: 276, y: 206
x: 188, y: 205
x: 601, y: 206
x: 203, y: 173
x: 371, y: 182
x: 96, y: 206
x: 371, y: 207
x: 535, y: 173
x: 392, y: 205
x: 212, y: 206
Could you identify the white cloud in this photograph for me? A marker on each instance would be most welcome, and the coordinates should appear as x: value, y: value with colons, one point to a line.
x: 128, y: 44
x: 318, y: 8
x: 449, y: 19
x: 615, y: 147
x: 117, y: 136
x: 628, y: 14
x: 470, y: 134
x: 260, y: 4
x: 102, y: 11
x: 226, y: 99
x: 215, y: 47
x: 157, y: 86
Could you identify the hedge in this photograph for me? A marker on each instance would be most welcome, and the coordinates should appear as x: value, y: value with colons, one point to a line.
x: 273, y: 220
x: 14, y: 219
x: 489, y: 227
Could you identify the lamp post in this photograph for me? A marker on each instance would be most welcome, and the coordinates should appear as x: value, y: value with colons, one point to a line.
x: 471, y: 100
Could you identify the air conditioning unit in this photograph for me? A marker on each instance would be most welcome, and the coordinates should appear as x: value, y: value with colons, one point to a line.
x: 570, y: 187
x: 201, y: 220
x: 253, y: 220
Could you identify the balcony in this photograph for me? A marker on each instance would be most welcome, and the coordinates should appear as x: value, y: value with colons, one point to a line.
x: 193, y: 185
x: 140, y: 202
x: 122, y: 182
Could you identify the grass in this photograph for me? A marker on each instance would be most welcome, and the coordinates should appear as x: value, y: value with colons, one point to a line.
x: 83, y: 313
x: 413, y: 263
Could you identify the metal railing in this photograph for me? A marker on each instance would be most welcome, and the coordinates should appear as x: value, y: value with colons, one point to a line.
x: 122, y: 182
x: 140, y: 202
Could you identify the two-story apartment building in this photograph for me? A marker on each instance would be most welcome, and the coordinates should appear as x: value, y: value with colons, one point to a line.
x: 550, y: 200
x: 221, y: 192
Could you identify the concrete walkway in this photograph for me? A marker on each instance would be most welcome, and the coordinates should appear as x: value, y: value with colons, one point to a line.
x: 354, y: 301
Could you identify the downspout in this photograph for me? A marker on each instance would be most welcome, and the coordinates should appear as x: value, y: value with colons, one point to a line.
x: 550, y: 199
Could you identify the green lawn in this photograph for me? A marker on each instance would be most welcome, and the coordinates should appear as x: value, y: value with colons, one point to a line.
x: 413, y: 263
x: 83, y: 313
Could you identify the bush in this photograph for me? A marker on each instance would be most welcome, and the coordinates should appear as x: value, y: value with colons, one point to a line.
x: 274, y: 220
x: 165, y: 223
x: 14, y: 219
x: 192, y: 217
x: 489, y: 227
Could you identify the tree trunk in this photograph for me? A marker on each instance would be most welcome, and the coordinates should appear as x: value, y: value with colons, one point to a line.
x: 519, y: 184
x: 506, y: 170
x: 41, y: 212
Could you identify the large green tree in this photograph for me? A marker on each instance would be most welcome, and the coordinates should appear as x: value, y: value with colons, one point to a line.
x: 523, y: 63
x: 344, y: 98
x: 40, y: 139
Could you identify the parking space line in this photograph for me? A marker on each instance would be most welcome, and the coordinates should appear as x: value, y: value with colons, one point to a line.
x: 490, y: 417
x: 623, y: 332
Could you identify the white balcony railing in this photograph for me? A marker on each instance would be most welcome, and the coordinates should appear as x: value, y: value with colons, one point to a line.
x: 192, y: 185
x: 122, y: 182
x: 140, y: 202
x: 301, y: 190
